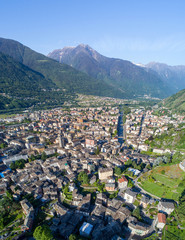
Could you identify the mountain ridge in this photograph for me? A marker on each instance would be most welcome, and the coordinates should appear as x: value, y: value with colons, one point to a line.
x: 173, y: 75
x: 62, y: 75
x: 122, y: 74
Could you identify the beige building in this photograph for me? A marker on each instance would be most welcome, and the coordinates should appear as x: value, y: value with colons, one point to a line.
x: 105, y: 173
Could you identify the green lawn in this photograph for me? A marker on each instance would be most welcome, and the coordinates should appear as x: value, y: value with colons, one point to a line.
x: 164, y: 185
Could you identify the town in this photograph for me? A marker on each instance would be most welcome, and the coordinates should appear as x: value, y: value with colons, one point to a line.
x: 78, y: 171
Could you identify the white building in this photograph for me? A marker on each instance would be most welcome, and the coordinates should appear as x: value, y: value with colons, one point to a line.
x: 130, y: 196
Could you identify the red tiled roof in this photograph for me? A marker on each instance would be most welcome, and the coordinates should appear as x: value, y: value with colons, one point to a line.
x: 123, y: 179
x: 161, y: 217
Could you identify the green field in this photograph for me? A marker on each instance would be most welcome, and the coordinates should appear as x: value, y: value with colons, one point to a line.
x: 164, y: 181
x: 7, y: 115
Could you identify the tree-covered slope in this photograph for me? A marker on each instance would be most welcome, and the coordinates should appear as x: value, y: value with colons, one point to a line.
x: 176, y: 102
x: 21, y: 87
x: 18, y: 80
x: 130, y: 78
x: 64, y: 76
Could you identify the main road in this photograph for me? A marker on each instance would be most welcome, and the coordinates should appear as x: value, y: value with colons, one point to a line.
x: 120, y: 128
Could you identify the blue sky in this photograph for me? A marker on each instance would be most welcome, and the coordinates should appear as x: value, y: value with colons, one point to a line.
x: 137, y: 30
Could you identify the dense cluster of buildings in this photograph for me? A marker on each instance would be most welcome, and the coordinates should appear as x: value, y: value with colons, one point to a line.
x: 141, y: 125
x: 71, y: 142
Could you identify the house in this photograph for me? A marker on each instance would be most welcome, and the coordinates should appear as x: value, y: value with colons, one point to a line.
x: 93, y: 179
x: 110, y: 213
x: 49, y: 151
x: 102, y: 197
x: 122, y: 183
x: 161, y: 220
x: 160, y: 151
x: 99, y: 211
x: 104, y: 173
x: 136, y: 172
x: 115, y: 203
x: 28, y: 222
x: 138, y: 228
x: 110, y: 186
x: 86, y: 229
x: 130, y: 196
x: 144, y: 201
x: 26, y: 206
x: 122, y: 214
x: 166, y: 207
x: 89, y: 143
x: 108, y: 231
x: 72, y: 187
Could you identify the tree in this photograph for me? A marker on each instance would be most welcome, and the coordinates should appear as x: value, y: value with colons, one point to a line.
x: 1, y: 223
x: 117, y: 170
x: 43, y: 156
x: 80, y: 176
x: 101, y: 187
x: 38, y: 233
x: 72, y: 237
x: 12, y: 166
x: 33, y: 157
x: 17, y: 164
x: 3, y: 145
x: 85, y: 179
x: 130, y: 183
x: 42, y: 233
x: 97, y: 151
x: 110, y: 130
x: 137, y: 213
x: 9, y: 195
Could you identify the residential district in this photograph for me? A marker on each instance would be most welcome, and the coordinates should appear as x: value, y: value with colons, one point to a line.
x: 76, y: 171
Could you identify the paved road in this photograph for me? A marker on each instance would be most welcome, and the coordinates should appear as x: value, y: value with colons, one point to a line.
x: 142, y: 120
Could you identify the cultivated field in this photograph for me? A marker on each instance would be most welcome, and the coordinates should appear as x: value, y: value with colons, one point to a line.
x: 164, y: 181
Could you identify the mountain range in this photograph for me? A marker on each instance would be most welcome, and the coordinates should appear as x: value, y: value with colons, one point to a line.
x: 133, y: 80
x: 28, y: 77
x: 174, y: 76
x: 124, y: 74
x: 62, y: 75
